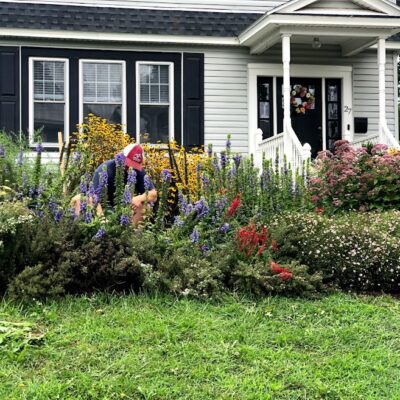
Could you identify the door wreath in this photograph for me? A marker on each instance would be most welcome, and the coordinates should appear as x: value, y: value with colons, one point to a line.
x: 301, y: 99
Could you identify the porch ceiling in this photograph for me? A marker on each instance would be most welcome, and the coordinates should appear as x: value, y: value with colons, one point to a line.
x: 353, y: 34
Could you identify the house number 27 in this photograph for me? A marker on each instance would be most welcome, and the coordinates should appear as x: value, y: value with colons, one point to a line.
x: 347, y: 109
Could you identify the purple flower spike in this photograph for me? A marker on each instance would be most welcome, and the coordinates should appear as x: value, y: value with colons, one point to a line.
x: 58, y: 216
x: 210, y: 150
x: 224, y: 159
x: 237, y: 159
x: 120, y: 160
x: 228, y: 143
x: 201, y: 208
x: 124, y: 220
x: 178, y: 221
x: 195, y: 236
x: 76, y: 157
x: 147, y: 183
x: 100, y: 233
x: 88, y: 217
x: 39, y: 148
x: 224, y: 228
x: 127, y: 195
x: 2, y: 151
x: 131, y: 178
x: 83, y: 207
x: 166, y: 175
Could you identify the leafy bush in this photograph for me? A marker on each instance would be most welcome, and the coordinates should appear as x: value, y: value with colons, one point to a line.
x: 357, y: 179
x: 358, y: 251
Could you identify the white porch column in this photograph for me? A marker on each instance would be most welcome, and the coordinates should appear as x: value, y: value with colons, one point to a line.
x: 382, y: 86
x: 286, y: 80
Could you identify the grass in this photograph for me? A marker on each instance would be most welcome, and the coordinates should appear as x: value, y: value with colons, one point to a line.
x: 109, y: 347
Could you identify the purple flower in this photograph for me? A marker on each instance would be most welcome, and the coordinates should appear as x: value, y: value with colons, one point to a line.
x: 2, y: 151
x: 39, y: 148
x: 127, y: 195
x: 237, y: 158
x: 205, y: 248
x: 92, y: 194
x: 216, y: 164
x: 195, y: 236
x: 198, y: 168
x: 210, y: 150
x: 76, y: 157
x: 206, y: 180
x: 72, y: 214
x: 58, y: 216
x: 103, y: 184
x: 224, y: 228
x: 228, y: 143
x: 40, y: 190
x: 20, y: 159
x: 100, y: 233
x: 184, y: 207
x: 120, y: 160
x: 124, y: 220
x: 131, y: 182
x: 201, y: 208
x: 83, y: 207
x: 224, y: 159
x: 52, y: 205
x: 166, y: 175
x: 88, y: 217
x: 147, y: 183
x: 178, y: 221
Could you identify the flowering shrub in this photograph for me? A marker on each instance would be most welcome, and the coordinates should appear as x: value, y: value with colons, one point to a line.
x: 97, y: 141
x: 356, y: 179
x: 358, y: 251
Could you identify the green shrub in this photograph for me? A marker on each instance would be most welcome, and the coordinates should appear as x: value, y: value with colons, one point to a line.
x: 358, y: 251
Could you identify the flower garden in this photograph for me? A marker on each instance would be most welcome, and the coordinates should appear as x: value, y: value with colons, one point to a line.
x: 220, y: 224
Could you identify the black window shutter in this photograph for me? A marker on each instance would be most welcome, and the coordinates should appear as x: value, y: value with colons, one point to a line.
x: 193, y: 100
x: 9, y: 89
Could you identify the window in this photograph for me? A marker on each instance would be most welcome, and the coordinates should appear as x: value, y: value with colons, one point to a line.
x: 103, y: 90
x: 265, y: 105
x: 48, y: 99
x: 155, y: 120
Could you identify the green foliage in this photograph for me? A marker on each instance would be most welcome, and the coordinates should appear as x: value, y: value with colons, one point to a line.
x: 358, y: 251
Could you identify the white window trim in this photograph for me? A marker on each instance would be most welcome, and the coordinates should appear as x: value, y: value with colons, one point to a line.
x: 171, y: 97
x: 103, y: 61
x: 31, y: 100
x: 345, y: 73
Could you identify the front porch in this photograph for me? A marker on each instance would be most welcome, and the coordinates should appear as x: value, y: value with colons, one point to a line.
x: 297, y: 109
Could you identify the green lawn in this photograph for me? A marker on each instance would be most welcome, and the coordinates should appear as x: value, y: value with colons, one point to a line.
x: 105, y: 347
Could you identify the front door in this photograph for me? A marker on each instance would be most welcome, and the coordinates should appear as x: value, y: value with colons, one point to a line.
x: 306, y: 111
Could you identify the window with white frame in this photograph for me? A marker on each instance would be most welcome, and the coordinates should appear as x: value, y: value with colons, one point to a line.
x: 102, y: 90
x: 49, y: 99
x: 155, y: 105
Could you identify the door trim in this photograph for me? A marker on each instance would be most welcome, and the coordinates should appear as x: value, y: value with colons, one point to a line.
x: 306, y: 71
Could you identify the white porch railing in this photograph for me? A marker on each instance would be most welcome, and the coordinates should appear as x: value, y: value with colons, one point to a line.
x: 386, y: 138
x: 281, y: 145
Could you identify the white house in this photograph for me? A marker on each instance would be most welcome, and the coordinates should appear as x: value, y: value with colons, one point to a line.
x: 289, y: 75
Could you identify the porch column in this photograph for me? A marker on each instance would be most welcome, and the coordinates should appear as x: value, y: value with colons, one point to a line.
x: 382, y: 85
x: 286, y: 79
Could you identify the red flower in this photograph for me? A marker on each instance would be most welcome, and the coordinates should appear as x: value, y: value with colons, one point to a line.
x: 274, y: 246
x: 261, y: 250
x: 234, y: 206
x: 319, y: 210
x: 277, y: 269
x: 286, y: 275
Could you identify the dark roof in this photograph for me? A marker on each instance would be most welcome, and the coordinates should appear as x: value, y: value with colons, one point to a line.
x: 395, y: 38
x: 123, y: 20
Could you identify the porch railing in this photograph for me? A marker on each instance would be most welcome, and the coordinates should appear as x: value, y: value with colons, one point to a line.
x: 386, y: 138
x: 281, y: 145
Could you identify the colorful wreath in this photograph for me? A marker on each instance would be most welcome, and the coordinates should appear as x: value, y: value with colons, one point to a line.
x: 301, y: 99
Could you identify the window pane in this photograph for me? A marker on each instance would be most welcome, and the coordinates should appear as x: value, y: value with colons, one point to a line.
x: 111, y: 112
x: 164, y: 94
x: 154, y: 74
x: 154, y: 94
x: 145, y: 93
x: 164, y: 74
x: 102, y: 82
x: 144, y: 74
x: 50, y: 116
x: 154, y: 124
x: 48, y: 82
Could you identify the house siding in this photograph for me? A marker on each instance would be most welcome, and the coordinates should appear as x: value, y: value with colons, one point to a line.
x: 225, y: 88
x: 226, y: 84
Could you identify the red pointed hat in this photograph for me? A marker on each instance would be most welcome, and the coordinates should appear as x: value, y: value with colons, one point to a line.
x: 134, y: 156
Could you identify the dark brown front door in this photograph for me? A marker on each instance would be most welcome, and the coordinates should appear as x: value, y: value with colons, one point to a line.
x: 306, y: 111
